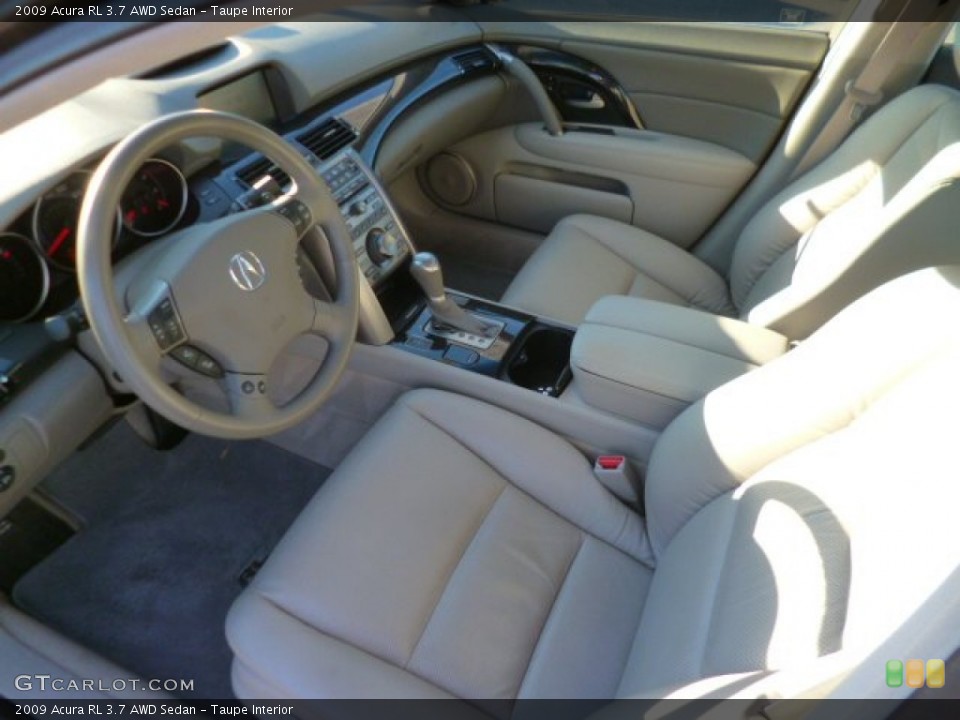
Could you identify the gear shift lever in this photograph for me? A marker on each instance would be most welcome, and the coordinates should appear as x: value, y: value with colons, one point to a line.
x: 425, y: 269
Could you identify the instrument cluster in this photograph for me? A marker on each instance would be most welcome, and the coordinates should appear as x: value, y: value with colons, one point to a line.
x: 152, y: 205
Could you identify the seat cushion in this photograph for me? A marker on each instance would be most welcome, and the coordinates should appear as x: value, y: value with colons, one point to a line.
x: 459, y: 551
x: 586, y: 258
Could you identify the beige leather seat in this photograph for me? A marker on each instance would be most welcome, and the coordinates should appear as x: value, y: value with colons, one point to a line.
x: 887, y: 201
x: 796, y: 516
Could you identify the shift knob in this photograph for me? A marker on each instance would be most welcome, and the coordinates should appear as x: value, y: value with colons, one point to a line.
x: 425, y: 269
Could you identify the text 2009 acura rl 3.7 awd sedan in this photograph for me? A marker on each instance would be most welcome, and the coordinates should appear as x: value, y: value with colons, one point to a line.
x: 487, y: 352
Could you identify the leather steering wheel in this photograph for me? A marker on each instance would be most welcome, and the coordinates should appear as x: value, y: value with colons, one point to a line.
x: 230, y: 288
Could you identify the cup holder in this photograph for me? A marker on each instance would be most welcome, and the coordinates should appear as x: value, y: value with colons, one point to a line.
x: 542, y: 360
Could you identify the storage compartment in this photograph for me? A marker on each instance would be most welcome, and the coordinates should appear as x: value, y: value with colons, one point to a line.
x: 646, y: 361
x: 539, y: 203
x: 541, y: 360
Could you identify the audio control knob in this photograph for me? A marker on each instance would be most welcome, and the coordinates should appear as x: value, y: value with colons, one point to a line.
x: 382, y: 246
x: 358, y: 208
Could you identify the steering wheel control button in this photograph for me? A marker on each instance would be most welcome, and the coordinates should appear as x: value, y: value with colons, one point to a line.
x: 248, y: 387
x: 298, y: 214
x: 165, y: 325
x: 208, y: 366
x: 198, y: 360
x: 187, y: 355
x: 7, y: 476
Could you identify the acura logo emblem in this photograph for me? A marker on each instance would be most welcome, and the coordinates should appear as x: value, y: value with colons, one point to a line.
x: 246, y: 271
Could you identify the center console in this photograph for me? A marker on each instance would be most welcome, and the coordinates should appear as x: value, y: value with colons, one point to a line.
x: 479, y: 336
x: 379, y: 240
x: 418, y: 315
x: 526, y: 352
x: 647, y: 361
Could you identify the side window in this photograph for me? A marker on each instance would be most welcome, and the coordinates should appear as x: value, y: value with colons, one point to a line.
x: 945, y: 66
x: 812, y: 14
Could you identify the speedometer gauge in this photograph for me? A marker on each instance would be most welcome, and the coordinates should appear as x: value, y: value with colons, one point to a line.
x: 24, y: 278
x: 155, y: 199
x: 55, y: 221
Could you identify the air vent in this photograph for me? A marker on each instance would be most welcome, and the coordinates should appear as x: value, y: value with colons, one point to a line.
x: 327, y: 138
x: 474, y: 61
x: 257, y: 169
x: 324, y: 141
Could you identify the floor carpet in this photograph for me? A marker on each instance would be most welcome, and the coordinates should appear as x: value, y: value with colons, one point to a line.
x: 148, y: 581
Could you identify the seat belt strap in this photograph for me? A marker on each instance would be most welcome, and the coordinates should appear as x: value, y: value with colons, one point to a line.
x: 866, y: 90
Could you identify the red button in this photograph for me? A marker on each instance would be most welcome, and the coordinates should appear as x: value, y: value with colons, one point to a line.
x: 610, y: 462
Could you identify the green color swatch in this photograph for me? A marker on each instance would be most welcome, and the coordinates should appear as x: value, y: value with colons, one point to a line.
x: 894, y: 673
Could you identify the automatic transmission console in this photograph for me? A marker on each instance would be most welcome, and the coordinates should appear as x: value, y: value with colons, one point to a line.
x: 450, y: 321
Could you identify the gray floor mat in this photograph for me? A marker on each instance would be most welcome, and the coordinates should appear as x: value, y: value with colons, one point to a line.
x: 148, y: 582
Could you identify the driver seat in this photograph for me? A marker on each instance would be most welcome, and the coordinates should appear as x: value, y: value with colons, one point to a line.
x: 798, y: 514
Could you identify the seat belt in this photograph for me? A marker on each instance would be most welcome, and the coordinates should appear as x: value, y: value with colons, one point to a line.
x: 866, y: 90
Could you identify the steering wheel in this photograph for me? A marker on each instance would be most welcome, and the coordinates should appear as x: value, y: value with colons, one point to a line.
x: 224, y: 297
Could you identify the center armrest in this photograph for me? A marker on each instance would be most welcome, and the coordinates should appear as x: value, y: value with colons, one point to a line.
x: 647, y: 360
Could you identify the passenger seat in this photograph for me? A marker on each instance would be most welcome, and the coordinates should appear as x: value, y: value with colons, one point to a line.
x: 886, y: 202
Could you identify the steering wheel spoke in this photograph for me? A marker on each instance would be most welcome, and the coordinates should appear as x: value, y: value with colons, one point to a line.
x: 248, y: 397
x: 297, y: 212
x: 137, y: 327
x: 330, y: 320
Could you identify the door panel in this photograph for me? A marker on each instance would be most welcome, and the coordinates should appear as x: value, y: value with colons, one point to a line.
x: 735, y: 104
x: 735, y: 85
x: 667, y: 184
x: 712, y: 99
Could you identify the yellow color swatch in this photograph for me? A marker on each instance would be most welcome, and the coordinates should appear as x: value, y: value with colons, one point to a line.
x: 936, y: 674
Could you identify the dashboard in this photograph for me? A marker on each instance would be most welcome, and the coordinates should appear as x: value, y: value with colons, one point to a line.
x: 200, y: 182
x: 346, y: 117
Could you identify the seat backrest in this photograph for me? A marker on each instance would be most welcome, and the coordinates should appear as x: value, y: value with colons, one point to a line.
x: 886, y: 202
x: 809, y: 507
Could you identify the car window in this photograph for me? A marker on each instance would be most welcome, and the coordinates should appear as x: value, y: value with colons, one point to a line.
x: 813, y: 14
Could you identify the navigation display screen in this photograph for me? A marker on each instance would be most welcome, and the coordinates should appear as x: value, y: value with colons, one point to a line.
x: 248, y: 96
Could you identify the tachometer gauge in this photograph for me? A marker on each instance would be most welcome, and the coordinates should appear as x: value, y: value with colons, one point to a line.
x: 55, y: 221
x: 24, y: 278
x: 155, y: 199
